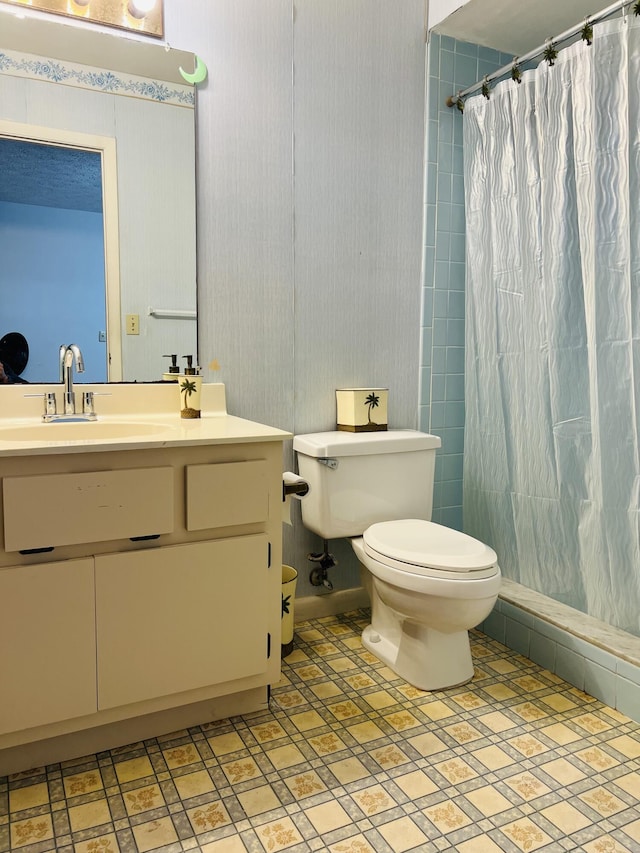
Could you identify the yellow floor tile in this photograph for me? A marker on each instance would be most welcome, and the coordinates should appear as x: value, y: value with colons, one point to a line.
x: 180, y: 756
x: 153, y: 834
x: 143, y: 799
x: 327, y: 817
x: 193, y: 784
x: 226, y: 744
x: 28, y: 797
x: 278, y: 835
x: 373, y: 800
x: 31, y: 831
x: 208, y: 817
x: 82, y: 783
x: 258, y: 800
x: 348, y: 770
x: 90, y: 814
x: 402, y: 835
x: 133, y: 769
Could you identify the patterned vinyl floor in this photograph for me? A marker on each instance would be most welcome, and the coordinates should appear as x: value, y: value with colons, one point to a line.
x: 351, y: 759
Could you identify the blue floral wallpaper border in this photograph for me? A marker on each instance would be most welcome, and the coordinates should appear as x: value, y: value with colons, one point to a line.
x: 96, y: 79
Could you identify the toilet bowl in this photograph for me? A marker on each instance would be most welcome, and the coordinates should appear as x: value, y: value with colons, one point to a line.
x: 428, y: 585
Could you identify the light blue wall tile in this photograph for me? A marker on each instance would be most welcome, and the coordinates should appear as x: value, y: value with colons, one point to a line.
x: 440, y: 332
x: 467, y: 49
x: 517, y: 636
x: 600, y: 683
x: 441, y: 304
x: 447, y: 58
x: 455, y: 333
x: 451, y: 516
x: 546, y: 629
x: 628, y: 670
x: 542, y: 651
x: 425, y: 383
x: 454, y: 386
x: 628, y: 698
x: 427, y: 335
x: 494, y: 626
x: 457, y: 274
x: 445, y: 186
x: 456, y: 305
x: 458, y: 250
x: 453, y: 441
x: 452, y: 493
x: 570, y: 666
x: 454, y: 414
x: 455, y: 360
x: 517, y: 614
x: 437, y: 419
x: 466, y: 70
x: 452, y: 466
x: 438, y: 388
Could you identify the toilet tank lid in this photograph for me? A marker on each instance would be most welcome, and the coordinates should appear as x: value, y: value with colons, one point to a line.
x: 339, y: 443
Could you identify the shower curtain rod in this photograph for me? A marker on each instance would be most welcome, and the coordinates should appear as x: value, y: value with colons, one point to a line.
x: 455, y: 100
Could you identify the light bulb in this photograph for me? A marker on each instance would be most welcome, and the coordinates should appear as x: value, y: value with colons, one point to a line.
x: 140, y: 8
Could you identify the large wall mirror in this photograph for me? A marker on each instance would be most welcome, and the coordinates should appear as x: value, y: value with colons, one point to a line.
x: 97, y: 200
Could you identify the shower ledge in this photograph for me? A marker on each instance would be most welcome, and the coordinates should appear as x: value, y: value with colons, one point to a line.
x: 616, y: 642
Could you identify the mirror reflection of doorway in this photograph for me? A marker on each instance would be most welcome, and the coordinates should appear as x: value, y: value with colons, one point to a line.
x: 52, y: 254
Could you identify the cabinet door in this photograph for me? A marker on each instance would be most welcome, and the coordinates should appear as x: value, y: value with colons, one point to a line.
x: 47, y: 644
x: 180, y: 617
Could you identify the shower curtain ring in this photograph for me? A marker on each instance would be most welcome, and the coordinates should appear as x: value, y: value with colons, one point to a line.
x: 586, y: 34
x: 516, y: 73
x: 550, y: 53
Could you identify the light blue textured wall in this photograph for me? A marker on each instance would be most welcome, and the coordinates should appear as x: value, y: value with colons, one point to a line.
x: 452, y: 66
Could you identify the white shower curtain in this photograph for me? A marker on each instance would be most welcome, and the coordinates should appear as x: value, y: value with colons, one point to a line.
x: 552, y: 192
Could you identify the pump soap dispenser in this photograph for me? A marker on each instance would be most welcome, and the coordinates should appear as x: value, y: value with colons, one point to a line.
x: 174, y: 371
x: 190, y: 388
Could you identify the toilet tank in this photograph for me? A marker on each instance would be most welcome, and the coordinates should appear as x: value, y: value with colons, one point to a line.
x: 358, y: 479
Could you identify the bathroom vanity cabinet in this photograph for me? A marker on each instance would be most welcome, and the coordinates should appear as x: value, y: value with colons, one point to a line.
x: 139, y: 589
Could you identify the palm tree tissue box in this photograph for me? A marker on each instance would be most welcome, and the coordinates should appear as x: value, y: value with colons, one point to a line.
x: 361, y: 409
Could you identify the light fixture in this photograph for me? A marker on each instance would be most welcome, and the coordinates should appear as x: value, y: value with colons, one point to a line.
x: 142, y: 16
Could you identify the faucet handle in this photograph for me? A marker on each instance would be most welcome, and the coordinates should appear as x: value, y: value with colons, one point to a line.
x: 88, y: 404
x: 50, y: 406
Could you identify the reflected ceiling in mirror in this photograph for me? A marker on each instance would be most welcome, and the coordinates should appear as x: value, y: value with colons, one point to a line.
x: 141, y: 16
x: 142, y: 130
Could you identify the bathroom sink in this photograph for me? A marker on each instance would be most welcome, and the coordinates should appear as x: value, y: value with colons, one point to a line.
x: 80, y: 431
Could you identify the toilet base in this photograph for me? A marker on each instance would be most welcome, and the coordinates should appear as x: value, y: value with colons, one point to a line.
x: 425, y: 658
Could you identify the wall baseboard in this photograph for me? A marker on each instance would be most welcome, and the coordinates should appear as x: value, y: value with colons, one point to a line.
x: 330, y: 603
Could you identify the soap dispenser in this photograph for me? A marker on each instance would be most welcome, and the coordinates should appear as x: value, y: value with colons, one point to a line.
x: 174, y: 371
x: 190, y: 388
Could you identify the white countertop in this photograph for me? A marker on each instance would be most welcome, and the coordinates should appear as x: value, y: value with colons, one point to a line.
x: 138, y: 406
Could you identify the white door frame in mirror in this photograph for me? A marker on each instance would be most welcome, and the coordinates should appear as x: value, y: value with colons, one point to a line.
x: 106, y: 147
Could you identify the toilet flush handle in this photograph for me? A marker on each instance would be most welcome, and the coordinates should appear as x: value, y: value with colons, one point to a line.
x: 329, y: 462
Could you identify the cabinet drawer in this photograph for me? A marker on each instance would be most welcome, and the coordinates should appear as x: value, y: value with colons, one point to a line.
x: 69, y: 509
x: 226, y: 494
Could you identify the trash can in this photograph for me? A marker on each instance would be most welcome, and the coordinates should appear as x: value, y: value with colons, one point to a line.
x: 289, y: 578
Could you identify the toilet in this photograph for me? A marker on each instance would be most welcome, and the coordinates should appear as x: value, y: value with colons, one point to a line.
x: 428, y: 585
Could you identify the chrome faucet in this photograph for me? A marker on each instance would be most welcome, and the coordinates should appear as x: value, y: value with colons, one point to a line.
x: 67, y: 355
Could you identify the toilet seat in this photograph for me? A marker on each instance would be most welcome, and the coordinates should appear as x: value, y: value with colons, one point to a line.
x: 429, y: 549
